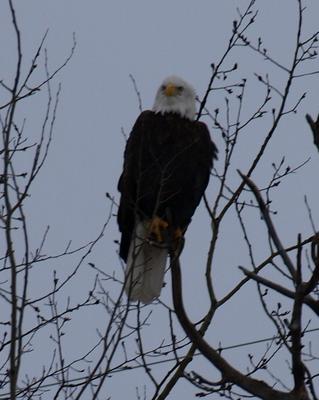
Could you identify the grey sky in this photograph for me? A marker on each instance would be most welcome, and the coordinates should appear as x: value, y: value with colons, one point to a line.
x: 151, y: 40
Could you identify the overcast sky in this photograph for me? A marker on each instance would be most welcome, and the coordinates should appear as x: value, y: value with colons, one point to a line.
x: 151, y: 40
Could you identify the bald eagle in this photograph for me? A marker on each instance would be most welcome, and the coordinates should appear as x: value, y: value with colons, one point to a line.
x: 167, y: 163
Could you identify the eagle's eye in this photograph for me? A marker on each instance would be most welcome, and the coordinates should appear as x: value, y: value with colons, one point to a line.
x: 180, y: 88
x: 163, y: 87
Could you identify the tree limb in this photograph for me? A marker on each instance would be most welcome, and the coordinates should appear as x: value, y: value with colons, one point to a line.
x: 229, y: 373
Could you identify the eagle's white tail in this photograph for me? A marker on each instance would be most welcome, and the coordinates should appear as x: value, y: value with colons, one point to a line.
x: 145, y: 267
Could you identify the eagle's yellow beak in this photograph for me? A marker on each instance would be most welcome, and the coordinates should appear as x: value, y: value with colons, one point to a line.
x: 170, y: 90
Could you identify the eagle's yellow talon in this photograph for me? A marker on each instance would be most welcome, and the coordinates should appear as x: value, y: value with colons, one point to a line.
x: 178, y: 234
x: 157, y: 226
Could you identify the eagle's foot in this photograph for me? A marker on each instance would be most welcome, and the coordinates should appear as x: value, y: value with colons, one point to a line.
x: 178, y: 234
x: 177, y: 242
x: 177, y: 239
x: 157, y: 228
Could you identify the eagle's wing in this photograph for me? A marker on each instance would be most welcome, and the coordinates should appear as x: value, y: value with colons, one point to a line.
x: 128, y: 182
x: 206, y: 153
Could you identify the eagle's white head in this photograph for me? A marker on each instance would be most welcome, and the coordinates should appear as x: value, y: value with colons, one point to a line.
x: 176, y: 96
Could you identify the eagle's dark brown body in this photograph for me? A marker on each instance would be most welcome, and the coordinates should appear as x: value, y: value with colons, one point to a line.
x: 167, y: 163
